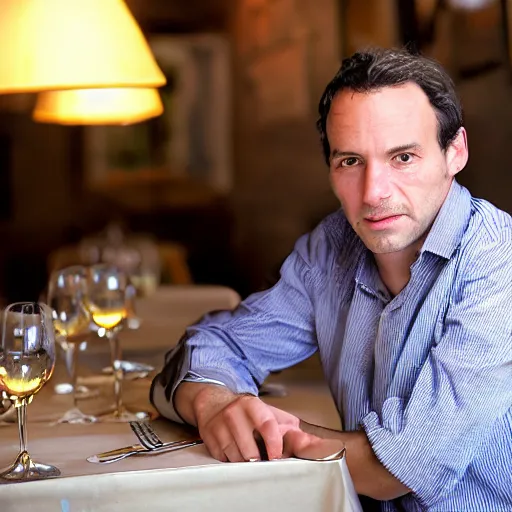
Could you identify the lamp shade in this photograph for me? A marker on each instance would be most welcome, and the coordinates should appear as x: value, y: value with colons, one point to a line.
x: 70, y: 44
x: 97, y: 106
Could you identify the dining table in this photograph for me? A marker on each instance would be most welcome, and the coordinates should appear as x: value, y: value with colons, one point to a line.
x: 186, y: 480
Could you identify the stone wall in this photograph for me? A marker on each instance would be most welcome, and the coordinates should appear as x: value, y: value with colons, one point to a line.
x: 285, y: 52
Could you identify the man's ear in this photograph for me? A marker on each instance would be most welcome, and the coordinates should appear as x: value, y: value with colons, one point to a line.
x: 457, y: 152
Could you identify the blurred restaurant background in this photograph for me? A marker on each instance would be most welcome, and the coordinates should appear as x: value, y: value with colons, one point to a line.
x: 231, y: 174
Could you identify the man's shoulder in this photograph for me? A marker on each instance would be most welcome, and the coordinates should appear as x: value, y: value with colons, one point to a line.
x: 488, y: 234
x: 488, y: 222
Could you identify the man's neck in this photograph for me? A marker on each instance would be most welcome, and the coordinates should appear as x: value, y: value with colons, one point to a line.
x: 395, y: 267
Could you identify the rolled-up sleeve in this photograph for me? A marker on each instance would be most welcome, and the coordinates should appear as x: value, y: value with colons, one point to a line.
x: 267, y: 332
x: 463, y: 388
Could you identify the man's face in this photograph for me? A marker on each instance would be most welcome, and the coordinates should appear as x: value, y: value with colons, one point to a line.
x: 387, y: 168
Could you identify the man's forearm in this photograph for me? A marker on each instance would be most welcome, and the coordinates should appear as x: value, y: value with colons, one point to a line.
x: 370, y: 477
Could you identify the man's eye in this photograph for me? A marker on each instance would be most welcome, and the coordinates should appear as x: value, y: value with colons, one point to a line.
x: 404, y: 158
x: 349, y: 162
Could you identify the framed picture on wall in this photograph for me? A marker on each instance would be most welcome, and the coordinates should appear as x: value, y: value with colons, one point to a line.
x: 191, y: 140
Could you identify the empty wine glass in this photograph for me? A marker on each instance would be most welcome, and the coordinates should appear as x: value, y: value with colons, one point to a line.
x: 106, y: 302
x: 27, y: 359
x: 66, y: 295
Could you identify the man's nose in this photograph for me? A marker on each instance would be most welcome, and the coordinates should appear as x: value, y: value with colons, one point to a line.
x: 377, y: 186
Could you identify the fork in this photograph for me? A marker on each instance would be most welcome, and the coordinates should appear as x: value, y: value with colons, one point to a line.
x: 150, y: 443
x: 146, y: 435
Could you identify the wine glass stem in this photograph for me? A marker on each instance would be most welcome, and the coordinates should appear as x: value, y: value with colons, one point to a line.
x: 21, y: 408
x: 116, y: 370
x: 71, y: 363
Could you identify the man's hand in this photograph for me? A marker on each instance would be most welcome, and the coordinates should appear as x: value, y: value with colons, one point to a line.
x: 308, y: 446
x: 228, y: 422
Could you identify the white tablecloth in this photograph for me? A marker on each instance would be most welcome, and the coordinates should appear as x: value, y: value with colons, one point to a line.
x: 267, y: 486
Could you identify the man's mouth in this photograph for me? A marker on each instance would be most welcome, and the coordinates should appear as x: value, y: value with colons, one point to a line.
x: 381, y: 222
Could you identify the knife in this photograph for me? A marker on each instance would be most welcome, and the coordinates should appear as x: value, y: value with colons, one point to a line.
x: 137, y: 449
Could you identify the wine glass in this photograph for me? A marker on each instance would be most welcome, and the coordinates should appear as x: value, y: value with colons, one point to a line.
x: 66, y: 295
x: 106, y: 302
x: 27, y: 359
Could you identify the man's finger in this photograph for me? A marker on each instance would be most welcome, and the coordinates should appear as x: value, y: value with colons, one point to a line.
x: 307, y: 446
x: 233, y: 453
x: 212, y: 444
x: 242, y: 429
x: 295, y: 442
x: 266, y: 424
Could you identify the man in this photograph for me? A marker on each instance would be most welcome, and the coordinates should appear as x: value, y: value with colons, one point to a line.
x: 406, y: 293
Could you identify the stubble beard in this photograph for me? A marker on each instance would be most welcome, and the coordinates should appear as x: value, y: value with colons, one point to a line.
x: 386, y: 242
x: 396, y: 239
x: 389, y: 240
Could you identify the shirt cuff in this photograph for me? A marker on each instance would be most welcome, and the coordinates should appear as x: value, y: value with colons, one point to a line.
x: 194, y: 377
x: 162, y: 405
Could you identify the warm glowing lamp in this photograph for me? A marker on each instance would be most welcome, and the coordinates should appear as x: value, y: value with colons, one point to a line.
x: 470, y: 5
x: 98, y: 106
x: 72, y: 44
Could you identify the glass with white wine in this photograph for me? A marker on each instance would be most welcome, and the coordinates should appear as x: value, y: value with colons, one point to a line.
x: 106, y: 303
x: 66, y: 295
x: 27, y: 359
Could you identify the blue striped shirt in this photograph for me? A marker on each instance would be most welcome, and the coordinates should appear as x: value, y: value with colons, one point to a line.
x: 427, y: 374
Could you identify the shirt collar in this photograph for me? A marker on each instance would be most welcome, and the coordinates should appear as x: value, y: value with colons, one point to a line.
x: 450, y: 224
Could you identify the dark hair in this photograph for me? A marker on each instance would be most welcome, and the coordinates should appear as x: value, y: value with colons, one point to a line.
x: 374, y: 69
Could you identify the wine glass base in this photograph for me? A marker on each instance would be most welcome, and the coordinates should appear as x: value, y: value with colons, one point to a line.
x: 24, y: 469
x: 82, y: 392
x: 125, y: 415
x: 132, y: 370
x: 76, y: 416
